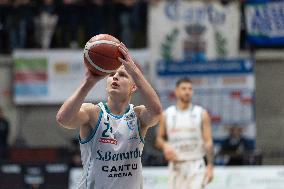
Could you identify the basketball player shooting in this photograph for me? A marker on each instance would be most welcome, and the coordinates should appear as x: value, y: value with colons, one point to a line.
x: 188, y: 132
x: 112, y: 133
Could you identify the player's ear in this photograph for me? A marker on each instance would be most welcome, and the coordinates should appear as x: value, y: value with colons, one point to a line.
x: 133, y: 88
x: 176, y: 92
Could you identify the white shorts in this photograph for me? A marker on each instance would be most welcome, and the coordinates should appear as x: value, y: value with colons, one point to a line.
x: 187, y: 174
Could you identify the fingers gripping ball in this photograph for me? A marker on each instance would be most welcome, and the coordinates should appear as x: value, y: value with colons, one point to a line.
x: 101, y: 54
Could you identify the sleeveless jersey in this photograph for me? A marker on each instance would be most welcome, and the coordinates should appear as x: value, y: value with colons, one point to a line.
x: 184, y: 131
x: 111, y: 155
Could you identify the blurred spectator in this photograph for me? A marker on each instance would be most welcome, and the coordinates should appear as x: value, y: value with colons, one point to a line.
x: 4, y: 26
x: 131, y: 19
x: 22, y: 24
x: 94, y: 18
x: 4, y: 133
x: 45, y: 23
x: 236, y: 146
x: 123, y: 18
x: 69, y: 23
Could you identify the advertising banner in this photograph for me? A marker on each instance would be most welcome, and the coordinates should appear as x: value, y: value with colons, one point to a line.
x: 260, y: 177
x: 265, y: 22
x: 50, y: 77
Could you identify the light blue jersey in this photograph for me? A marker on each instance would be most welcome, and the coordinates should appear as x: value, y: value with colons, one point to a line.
x: 111, y: 155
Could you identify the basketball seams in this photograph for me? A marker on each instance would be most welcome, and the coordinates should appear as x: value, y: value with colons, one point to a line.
x: 99, y: 53
x: 89, y: 45
x: 86, y: 53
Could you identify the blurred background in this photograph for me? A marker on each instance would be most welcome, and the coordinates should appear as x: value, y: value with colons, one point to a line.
x: 231, y: 49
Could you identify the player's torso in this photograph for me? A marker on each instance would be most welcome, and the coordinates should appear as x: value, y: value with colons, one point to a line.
x: 184, y: 131
x: 112, y: 159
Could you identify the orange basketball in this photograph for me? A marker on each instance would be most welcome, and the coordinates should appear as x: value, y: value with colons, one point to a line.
x: 101, y: 54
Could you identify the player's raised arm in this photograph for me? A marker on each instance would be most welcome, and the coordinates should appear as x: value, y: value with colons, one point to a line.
x: 74, y: 113
x: 149, y: 113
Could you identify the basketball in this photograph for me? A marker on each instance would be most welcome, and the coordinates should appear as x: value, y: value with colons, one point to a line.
x: 101, y: 54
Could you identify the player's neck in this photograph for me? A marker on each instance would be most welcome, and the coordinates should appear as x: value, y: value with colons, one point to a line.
x: 182, y: 105
x: 117, y: 108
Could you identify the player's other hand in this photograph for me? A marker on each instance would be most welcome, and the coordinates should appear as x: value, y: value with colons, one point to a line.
x: 127, y: 61
x: 208, y: 175
x: 91, y: 77
x: 169, y: 153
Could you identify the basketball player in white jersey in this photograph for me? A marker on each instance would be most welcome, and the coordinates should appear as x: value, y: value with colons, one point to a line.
x: 185, y: 138
x: 111, y: 133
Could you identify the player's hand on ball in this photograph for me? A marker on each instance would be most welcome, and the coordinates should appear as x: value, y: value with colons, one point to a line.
x: 93, y: 78
x: 128, y: 63
x: 169, y: 153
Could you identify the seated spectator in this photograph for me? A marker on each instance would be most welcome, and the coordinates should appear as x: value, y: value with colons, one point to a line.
x: 4, y: 133
x: 236, y: 146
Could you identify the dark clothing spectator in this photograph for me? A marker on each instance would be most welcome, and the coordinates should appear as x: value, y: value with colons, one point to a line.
x: 236, y: 147
x: 5, y: 46
x: 68, y: 23
x: 4, y: 133
x: 94, y: 18
x: 22, y: 25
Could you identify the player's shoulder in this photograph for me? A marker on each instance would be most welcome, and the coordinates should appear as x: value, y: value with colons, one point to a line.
x: 91, y: 108
x: 169, y: 110
x: 138, y: 109
x: 198, y: 108
x: 88, y: 106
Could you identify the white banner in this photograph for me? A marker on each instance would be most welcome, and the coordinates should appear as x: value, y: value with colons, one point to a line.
x: 194, y: 31
x: 246, y: 177
x: 50, y: 77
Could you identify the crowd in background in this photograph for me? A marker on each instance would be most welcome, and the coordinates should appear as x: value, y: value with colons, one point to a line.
x: 70, y: 23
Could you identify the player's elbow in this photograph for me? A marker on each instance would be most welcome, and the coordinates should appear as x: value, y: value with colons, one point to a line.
x: 157, y: 110
x: 62, y: 119
x: 208, y: 145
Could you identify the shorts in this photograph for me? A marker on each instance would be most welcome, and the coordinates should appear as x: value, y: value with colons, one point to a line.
x: 187, y: 174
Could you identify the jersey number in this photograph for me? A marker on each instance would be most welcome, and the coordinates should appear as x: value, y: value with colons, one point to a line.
x: 106, y: 131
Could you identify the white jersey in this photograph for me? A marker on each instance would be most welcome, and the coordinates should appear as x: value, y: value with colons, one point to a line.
x: 111, y: 155
x: 184, y: 131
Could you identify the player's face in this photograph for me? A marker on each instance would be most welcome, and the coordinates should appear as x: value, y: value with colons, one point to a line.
x: 184, y: 92
x: 120, y: 83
